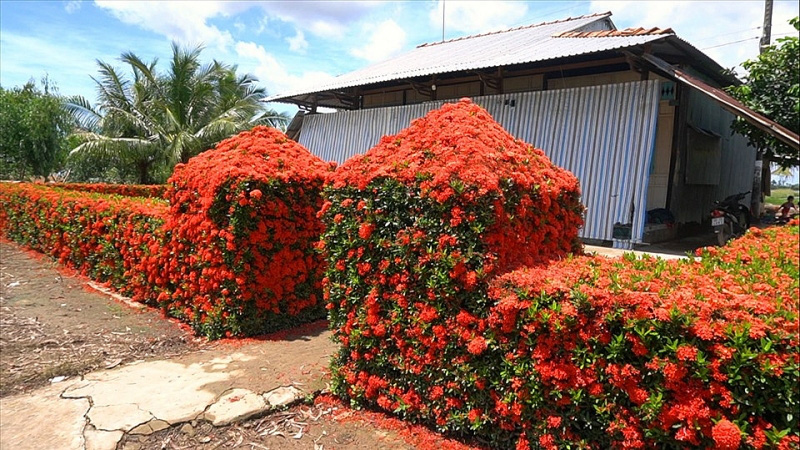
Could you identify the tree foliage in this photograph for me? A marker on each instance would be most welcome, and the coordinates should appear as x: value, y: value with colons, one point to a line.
x: 33, y: 130
x: 145, y: 121
x: 772, y: 88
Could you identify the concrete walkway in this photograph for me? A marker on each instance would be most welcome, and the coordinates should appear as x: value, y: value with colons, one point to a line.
x: 616, y: 252
x: 227, y: 383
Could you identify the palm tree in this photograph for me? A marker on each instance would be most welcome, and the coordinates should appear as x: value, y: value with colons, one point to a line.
x: 153, y: 120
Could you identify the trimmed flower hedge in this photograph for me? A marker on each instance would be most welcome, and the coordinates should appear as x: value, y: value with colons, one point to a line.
x: 638, y: 353
x: 601, y: 353
x: 240, y: 253
x: 233, y: 253
x: 415, y: 231
x: 127, y: 190
x: 104, y: 237
x: 444, y: 317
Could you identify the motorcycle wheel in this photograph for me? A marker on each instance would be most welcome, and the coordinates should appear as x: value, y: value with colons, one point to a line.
x: 724, y: 234
x: 743, y: 217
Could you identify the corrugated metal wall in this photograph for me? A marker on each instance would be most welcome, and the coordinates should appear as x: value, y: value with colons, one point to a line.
x: 604, y: 134
x: 693, y: 202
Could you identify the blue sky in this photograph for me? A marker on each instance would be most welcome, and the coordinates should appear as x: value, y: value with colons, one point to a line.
x: 289, y: 44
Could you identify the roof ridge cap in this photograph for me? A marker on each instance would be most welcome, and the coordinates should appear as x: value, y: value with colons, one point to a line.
x: 461, y: 38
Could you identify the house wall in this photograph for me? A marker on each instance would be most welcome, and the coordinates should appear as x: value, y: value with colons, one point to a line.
x: 593, y: 80
x: 712, y: 163
x: 604, y: 134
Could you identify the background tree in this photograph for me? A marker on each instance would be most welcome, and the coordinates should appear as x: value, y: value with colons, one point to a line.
x: 147, y: 122
x: 772, y: 88
x: 33, y: 130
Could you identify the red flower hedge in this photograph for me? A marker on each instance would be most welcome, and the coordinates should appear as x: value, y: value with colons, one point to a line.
x: 415, y: 230
x: 127, y: 190
x: 233, y: 253
x: 240, y: 255
x: 601, y: 353
x: 648, y: 353
x: 105, y: 237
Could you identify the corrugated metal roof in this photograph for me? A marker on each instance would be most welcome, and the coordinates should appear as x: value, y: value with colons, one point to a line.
x: 615, y: 33
x: 515, y: 46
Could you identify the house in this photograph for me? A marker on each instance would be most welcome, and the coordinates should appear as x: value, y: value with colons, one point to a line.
x: 635, y: 114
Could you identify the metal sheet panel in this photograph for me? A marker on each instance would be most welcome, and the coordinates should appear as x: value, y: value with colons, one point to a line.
x: 605, y: 135
x: 516, y: 46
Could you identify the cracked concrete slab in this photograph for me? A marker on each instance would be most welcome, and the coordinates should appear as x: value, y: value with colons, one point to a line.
x: 117, y: 417
x: 150, y: 427
x: 235, y: 405
x: 101, y: 440
x: 282, y: 396
x: 42, y: 420
x: 145, y: 397
x: 168, y: 390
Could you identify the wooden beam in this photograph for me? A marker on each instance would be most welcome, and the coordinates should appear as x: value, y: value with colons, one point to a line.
x: 727, y: 102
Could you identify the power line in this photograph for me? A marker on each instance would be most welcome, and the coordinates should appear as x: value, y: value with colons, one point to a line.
x: 709, y: 37
x: 733, y: 42
x: 743, y: 40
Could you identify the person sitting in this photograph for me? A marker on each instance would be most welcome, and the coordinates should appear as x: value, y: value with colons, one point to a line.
x: 787, y: 207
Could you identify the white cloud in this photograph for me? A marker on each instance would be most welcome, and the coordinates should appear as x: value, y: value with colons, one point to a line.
x: 271, y: 72
x: 477, y: 16
x: 328, y: 19
x: 706, y: 24
x: 298, y: 43
x: 385, y: 39
x: 184, y: 22
x: 72, y: 5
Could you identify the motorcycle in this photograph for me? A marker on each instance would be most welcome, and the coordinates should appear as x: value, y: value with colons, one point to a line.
x: 730, y: 218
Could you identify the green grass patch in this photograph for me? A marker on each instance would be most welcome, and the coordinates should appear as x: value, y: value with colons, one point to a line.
x: 779, y: 196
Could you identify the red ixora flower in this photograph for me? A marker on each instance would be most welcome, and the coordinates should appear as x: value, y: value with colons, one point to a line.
x: 726, y: 435
x: 477, y: 346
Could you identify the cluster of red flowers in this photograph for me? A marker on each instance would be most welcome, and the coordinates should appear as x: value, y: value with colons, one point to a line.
x: 233, y: 253
x: 459, y: 157
x: 127, y: 190
x: 652, y: 352
x: 432, y: 240
x: 415, y: 230
x: 104, y: 237
x: 240, y: 256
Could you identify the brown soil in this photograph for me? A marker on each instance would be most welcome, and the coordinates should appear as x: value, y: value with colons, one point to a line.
x: 317, y: 427
x: 55, y: 325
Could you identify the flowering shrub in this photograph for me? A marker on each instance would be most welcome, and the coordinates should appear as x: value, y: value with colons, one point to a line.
x: 104, y: 237
x: 232, y: 254
x: 127, y: 190
x: 239, y: 257
x: 639, y: 353
x: 415, y: 230
x: 600, y: 353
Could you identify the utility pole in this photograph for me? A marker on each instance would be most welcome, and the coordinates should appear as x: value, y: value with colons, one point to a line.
x: 443, y: 5
x: 766, y: 34
x: 761, y: 173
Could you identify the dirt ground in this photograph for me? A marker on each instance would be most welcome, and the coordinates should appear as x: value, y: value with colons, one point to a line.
x: 317, y: 427
x: 52, y: 325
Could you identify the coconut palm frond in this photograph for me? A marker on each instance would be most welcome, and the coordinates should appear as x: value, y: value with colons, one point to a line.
x: 86, y: 117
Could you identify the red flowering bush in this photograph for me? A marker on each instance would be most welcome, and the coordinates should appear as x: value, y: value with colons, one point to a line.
x: 127, y: 190
x: 415, y: 230
x: 232, y: 254
x: 105, y: 237
x: 239, y: 257
x: 640, y: 353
